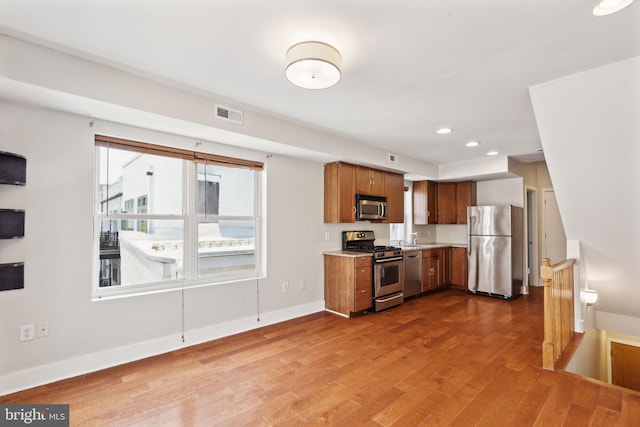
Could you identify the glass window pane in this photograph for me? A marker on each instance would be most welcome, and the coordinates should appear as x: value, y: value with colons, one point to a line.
x: 225, y: 191
x: 226, y: 247
x: 133, y: 182
x: 141, y: 251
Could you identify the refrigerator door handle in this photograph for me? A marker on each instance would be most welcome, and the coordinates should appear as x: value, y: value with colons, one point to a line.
x: 469, y: 236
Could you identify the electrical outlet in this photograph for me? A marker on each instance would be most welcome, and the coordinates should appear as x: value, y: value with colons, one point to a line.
x: 327, y: 235
x: 451, y: 234
x: 285, y: 287
x: 302, y: 285
x: 26, y: 333
x: 43, y: 329
x: 428, y: 234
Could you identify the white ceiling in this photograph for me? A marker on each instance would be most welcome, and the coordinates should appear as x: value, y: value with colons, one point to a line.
x: 409, y: 66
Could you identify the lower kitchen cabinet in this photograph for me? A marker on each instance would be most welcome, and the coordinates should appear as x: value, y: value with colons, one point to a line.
x: 432, y: 269
x: 348, y: 286
x: 458, y: 268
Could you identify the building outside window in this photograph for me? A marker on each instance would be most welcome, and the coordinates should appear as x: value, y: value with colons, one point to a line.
x: 145, y: 240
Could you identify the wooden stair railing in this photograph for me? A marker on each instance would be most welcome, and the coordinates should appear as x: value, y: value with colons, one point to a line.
x: 558, y: 309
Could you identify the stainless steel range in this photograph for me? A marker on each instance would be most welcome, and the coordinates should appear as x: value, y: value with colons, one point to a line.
x: 388, y: 283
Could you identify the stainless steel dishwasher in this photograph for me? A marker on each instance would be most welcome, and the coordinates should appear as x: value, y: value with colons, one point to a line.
x: 412, y: 265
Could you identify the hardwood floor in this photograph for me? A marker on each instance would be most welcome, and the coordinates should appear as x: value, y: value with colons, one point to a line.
x: 445, y: 359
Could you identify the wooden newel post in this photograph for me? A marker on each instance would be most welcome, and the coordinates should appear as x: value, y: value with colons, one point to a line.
x: 548, y: 353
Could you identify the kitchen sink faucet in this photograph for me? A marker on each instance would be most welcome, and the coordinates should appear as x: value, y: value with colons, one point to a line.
x: 415, y: 239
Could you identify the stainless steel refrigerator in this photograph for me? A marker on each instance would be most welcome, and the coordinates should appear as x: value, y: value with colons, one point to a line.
x: 495, y: 252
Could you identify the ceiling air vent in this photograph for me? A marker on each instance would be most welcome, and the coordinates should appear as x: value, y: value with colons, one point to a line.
x: 394, y: 158
x: 228, y: 114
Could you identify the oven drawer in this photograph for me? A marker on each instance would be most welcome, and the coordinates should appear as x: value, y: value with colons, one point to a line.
x: 388, y: 301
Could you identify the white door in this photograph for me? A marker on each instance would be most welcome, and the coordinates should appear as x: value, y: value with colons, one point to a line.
x: 555, y: 241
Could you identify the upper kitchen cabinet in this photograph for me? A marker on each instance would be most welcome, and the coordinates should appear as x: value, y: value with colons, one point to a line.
x: 341, y: 185
x: 339, y: 192
x: 394, y: 190
x: 443, y: 202
x: 465, y: 196
x: 370, y: 181
x: 447, y: 208
x: 425, y: 196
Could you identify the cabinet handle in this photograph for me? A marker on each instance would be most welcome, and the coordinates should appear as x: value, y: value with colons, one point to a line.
x: 363, y: 291
x: 432, y: 271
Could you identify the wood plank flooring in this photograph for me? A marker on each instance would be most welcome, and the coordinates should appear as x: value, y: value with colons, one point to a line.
x: 444, y: 359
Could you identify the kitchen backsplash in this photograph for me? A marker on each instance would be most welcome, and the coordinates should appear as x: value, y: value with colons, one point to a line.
x: 441, y: 233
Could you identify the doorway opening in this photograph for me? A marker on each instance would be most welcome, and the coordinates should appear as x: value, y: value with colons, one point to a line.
x: 531, y: 212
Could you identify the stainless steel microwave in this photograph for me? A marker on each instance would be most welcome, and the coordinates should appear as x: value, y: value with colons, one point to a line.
x: 370, y: 207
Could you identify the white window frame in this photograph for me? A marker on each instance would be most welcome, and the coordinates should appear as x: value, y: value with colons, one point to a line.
x: 190, y: 220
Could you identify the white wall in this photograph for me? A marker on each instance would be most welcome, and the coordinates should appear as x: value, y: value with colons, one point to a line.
x: 589, y: 128
x: 58, y: 253
x: 501, y: 192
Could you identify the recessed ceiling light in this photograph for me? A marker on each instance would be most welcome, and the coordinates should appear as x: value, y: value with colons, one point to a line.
x: 608, y: 7
x: 444, y: 131
x: 492, y: 153
x: 472, y: 144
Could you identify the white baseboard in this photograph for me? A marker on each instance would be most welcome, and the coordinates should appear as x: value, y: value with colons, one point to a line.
x: 45, y: 374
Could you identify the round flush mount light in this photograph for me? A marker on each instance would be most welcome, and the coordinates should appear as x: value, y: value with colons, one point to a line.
x: 313, y: 65
x: 444, y: 131
x: 608, y: 7
x: 492, y: 153
x: 472, y: 144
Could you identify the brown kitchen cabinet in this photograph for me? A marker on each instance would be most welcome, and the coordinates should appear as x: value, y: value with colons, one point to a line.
x: 445, y: 254
x: 341, y: 185
x: 458, y: 268
x: 453, y: 199
x: 348, y: 286
x: 370, y: 181
x: 447, y: 208
x: 339, y: 192
x: 432, y: 269
x: 394, y: 191
x: 425, y: 197
x: 465, y: 196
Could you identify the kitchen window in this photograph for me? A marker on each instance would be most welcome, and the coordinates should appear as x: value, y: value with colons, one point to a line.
x: 168, y: 218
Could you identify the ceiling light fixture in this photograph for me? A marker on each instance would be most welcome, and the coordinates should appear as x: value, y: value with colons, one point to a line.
x: 444, y: 131
x: 492, y: 153
x: 472, y: 144
x: 313, y: 65
x: 608, y: 7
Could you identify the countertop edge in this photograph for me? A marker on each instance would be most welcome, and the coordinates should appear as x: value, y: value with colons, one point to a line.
x: 420, y: 247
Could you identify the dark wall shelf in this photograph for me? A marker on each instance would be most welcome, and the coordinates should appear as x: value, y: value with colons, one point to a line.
x: 11, y: 276
x: 13, y: 169
x: 11, y: 223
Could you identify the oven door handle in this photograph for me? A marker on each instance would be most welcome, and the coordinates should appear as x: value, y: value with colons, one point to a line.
x: 389, y: 298
x: 381, y: 261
